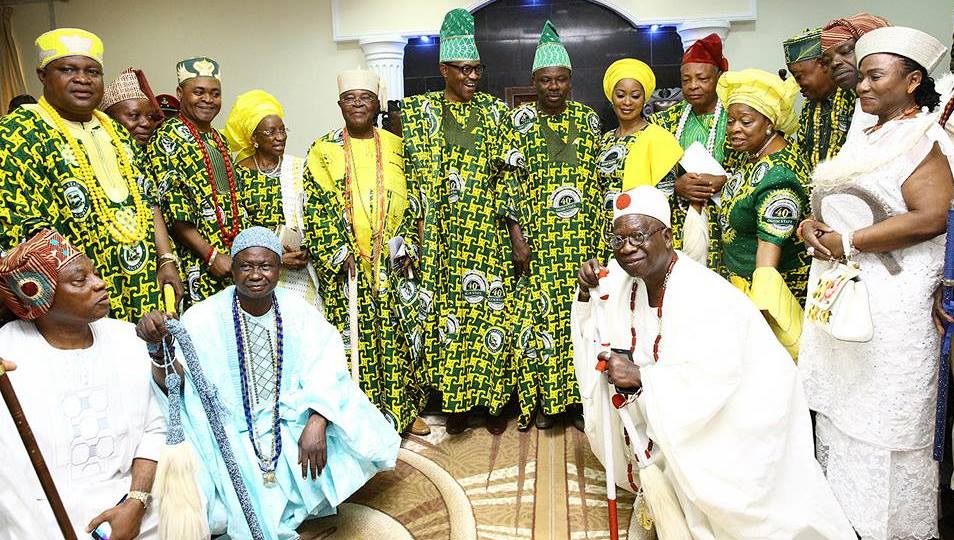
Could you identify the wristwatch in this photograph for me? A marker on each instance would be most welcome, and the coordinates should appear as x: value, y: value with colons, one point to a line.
x: 140, y: 496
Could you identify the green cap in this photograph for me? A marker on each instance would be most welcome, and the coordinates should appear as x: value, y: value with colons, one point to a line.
x: 550, y: 50
x: 198, y: 66
x: 805, y: 46
x: 457, y: 37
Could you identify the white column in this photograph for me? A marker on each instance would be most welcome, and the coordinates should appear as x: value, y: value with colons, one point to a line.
x: 384, y: 55
x: 691, y: 31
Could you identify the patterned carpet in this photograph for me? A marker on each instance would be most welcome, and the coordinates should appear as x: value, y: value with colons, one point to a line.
x: 479, y: 486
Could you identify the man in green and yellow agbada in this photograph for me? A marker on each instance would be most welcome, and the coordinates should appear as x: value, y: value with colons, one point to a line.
x: 66, y: 166
x: 456, y: 159
x: 193, y: 175
x: 356, y: 212
x: 557, y: 196
x: 699, y: 118
x: 826, y: 115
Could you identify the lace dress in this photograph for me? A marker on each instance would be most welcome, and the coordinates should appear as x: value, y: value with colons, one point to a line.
x: 875, y: 401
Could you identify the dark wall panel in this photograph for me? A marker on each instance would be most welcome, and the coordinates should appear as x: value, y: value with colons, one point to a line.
x: 507, y: 33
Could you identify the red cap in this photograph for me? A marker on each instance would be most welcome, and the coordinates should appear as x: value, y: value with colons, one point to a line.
x: 707, y: 50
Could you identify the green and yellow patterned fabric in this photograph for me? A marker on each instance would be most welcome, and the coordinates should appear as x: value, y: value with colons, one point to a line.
x: 823, y: 126
x: 765, y: 200
x: 457, y: 37
x: 696, y: 129
x: 804, y: 46
x: 559, y: 197
x: 182, y: 185
x: 457, y: 162
x: 389, y: 335
x: 261, y: 196
x: 41, y: 188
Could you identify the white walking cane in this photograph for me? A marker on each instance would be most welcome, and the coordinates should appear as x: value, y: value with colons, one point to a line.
x: 353, y: 322
x: 657, y: 492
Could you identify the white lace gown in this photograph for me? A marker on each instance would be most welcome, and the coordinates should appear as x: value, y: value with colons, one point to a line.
x: 875, y: 401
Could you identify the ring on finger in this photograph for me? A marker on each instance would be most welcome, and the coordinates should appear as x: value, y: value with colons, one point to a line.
x: 811, y: 251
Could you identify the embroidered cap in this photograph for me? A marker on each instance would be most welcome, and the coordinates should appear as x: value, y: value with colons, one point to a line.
x: 28, y: 273
x: 257, y: 237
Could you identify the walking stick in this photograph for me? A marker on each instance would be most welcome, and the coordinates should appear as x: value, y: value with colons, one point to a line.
x: 353, y: 322
x: 944, y: 369
x: 658, y: 493
x: 36, y: 457
x: 606, y: 415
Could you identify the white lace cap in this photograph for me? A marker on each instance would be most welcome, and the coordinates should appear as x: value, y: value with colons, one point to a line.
x: 912, y: 43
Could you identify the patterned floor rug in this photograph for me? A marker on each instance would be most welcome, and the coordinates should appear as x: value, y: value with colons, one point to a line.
x: 538, y: 485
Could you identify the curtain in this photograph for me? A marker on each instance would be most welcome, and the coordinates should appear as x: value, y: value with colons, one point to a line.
x: 12, y: 81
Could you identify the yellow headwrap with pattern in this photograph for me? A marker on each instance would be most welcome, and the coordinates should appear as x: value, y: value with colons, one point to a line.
x: 764, y: 92
x: 629, y: 68
x: 249, y: 109
x: 64, y: 42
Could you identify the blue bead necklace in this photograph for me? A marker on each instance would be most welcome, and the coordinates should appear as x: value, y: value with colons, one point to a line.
x: 266, y: 464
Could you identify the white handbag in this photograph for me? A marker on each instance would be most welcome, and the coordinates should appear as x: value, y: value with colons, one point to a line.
x: 839, y: 304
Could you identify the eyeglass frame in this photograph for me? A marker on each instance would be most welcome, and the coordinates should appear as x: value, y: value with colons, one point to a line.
x: 618, y: 241
x: 353, y: 99
x: 467, y: 69
x: 274, y: 131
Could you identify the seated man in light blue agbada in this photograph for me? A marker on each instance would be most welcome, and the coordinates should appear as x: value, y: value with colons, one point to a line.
x: 275, y: 364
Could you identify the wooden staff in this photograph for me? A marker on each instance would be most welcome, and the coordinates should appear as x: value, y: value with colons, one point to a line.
x: 33, y: 450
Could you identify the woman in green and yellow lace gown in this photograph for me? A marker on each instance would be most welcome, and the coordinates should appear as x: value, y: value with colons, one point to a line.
x: 764, y: 199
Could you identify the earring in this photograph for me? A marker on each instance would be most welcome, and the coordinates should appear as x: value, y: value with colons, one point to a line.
x: 767, y: 132
x: 256, y: 145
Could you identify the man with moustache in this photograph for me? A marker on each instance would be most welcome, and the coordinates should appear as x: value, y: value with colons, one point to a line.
x: 838, y: 51
x: 351, y: 174
x: 66, y: 166
x: 195, y: 181
x: 557, y: 196
x: 826, y: 115
x: 694, y: 365
x: 699, y: 118
x: 456, y: 159
x: 129, y: 100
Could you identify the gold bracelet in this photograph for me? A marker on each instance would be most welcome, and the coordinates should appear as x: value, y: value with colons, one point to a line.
x: 167, y: 261
x: 169, y: 257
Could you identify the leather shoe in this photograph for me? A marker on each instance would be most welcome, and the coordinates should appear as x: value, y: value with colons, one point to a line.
x: 496, y: 424
x: 543, y: 420
x: 456, y: 423
x: 419, y: 427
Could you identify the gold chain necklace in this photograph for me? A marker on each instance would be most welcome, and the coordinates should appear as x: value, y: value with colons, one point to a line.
x: 123, y: 227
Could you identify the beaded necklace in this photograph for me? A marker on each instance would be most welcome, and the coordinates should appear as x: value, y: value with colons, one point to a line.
x: 227, y: 235
x: 377, y: 234
x: 123, y: 227
x: 710, y: 140
x: 265, y: 464
x: 839, y: 103
x: 619, y: 400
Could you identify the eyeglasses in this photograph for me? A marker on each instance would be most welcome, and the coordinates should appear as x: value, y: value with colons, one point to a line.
x: 467, y: 69
x: 352, y: 99
x: 635, y: 240
x: 271, y: 132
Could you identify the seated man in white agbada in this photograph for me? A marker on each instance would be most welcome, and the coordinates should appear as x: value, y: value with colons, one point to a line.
x: 717, y: 395
x: 83, y: 381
